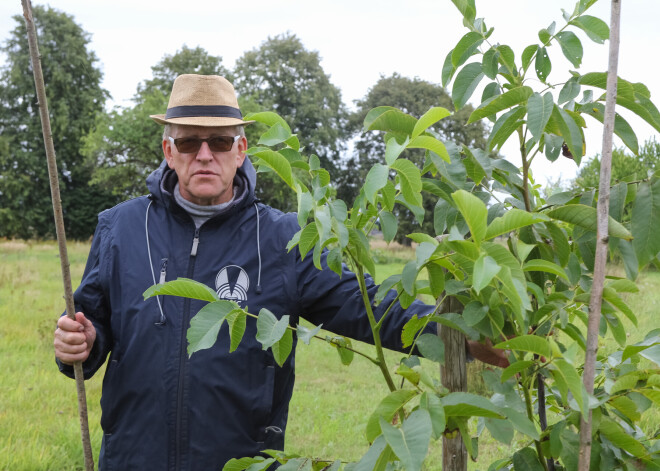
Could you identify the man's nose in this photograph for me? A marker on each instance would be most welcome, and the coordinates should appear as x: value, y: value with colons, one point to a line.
x: 204, y: 152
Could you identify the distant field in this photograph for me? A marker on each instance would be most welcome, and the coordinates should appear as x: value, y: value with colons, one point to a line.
x: 38, y: 413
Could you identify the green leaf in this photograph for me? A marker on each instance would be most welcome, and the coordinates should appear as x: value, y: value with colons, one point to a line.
x: 542, y: 64
x: 485, y: 269
x: 500, y: 430
x: 539, y: 110
x: 565, y: 372
x: 467, y: 9
x: 276, y: 134
x: 571, y: 46
x: 387, y: 408
x: 474, y: 212
x: 252, y: 464
x: 645, y: 222
x: 507, y: 58
x: 308, y: 238
x: 432, y: 144
x: 428, y: 119
x: 236, y: 320
x: 586, y: 217
x: 528, y: 343
x: 474, y: 312
x: 393, y: 150
x: 621, y: 126
x: 490, y: 63
x: 283, y: 347
x: 269, y: 328
x: 466, y: 82
x: 626, y: 406
x: 528, y: 55
x: 432, y: 404
x: 269, y: 118
x: 642, y: 107
x: 410, y: 180
x: 526, y: 460
x: 545, y: 266
x: 521, y: 423
x: 305, y: 205
x: 431, y: 347
x: 512, y: 220
x: 410, y: 443
x: 436, y: 279
x: 505, y: 126
x: 411, y: 329
x: 389, y: 224
x: 448, y: 70
x: 377, y: 457
x: 278, y: 163
x: 183, y: 287
x: 389, y: 119
x: 596, y: 29
x: 408, y: 277
x: 620, y: 438
x: 611, y: 297
x: 376, y: 179
x: 305, y: 334
x: 570, y: 131
x: 465, y: 48
x: 205, y: 325
x: 501, y: 102
x: 341, y: 344
x: 515, y: 368
x: 569, y: 91
x: 461, y: 404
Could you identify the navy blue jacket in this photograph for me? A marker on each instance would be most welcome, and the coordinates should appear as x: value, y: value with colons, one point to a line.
x: 162, y: 410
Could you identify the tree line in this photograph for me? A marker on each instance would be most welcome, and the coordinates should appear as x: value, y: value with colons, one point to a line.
x: 105, y: 156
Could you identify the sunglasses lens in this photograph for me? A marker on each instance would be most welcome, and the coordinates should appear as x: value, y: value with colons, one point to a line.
x: 191, y: 145
x: 188, y: 145
x: 220, y: 143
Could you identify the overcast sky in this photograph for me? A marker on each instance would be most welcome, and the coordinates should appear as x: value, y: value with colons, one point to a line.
x: 357, y: 40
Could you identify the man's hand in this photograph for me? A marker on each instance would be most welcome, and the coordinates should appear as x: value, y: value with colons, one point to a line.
x: 486, y: 353
x: 74, y: 338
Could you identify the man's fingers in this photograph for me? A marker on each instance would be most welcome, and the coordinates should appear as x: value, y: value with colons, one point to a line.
x: 67, y: 324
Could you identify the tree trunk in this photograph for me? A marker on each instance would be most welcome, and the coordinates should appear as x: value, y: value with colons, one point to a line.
x: 454, y: 378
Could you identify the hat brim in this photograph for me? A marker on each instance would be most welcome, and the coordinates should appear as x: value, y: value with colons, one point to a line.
x: 204, y: 121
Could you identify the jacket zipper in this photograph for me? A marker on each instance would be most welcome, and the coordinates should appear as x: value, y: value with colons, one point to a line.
x: 163, y: 271
x: 183, y: 355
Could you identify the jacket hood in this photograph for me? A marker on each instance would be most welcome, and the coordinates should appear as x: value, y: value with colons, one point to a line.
x: 161, y: 182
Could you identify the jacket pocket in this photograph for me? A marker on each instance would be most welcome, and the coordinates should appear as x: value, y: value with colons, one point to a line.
x: 265, y: 409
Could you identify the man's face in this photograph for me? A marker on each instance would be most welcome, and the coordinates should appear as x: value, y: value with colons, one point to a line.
x: 205, y: 177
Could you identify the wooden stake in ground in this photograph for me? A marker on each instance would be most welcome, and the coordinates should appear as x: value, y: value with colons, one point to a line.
x: 59, y: 219
x: 596, y: 300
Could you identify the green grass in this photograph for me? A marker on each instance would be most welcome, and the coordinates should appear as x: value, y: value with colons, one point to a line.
x: 38, y: 413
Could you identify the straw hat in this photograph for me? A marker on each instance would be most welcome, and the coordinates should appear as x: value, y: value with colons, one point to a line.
x: 202, y: 100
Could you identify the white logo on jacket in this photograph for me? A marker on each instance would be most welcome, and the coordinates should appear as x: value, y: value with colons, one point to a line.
x: 232, y: 283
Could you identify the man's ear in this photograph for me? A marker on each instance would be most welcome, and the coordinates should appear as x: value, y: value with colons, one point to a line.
x: 167, y: 151
x: 242, y: 147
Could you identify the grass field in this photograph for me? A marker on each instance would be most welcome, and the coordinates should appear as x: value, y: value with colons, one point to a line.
x: 38, y: 414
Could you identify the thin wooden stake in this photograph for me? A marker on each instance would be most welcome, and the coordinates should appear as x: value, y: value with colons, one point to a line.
x: 595, y: 303
x: 59, y: 219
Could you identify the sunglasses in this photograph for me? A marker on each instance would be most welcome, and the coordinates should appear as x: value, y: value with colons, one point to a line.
x: 191, y: 145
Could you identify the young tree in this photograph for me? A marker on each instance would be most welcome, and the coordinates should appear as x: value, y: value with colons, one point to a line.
x: 125, y: 145
x: 415, y: 97
x: 75, y: 96
x: 282, y: 76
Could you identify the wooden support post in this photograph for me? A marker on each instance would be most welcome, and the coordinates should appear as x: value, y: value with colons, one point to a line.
x: 454, y: 378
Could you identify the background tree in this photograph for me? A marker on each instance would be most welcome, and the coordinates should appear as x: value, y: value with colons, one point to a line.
x: 125, y: 145
x: 625, y: 167
x: 282, y: 76
x: 75, y: 98
x: 415, y: 97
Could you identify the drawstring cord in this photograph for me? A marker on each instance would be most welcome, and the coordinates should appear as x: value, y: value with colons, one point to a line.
x: 151, y: 263
x: 258, y: 288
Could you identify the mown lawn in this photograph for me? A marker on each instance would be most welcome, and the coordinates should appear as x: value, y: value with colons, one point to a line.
x: 38, y: 414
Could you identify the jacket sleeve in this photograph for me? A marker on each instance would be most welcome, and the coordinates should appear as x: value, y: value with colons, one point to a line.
x: 336, y: 302
x: 90, y: 299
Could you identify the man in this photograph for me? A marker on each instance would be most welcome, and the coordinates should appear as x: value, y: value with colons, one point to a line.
x: 160, y: 408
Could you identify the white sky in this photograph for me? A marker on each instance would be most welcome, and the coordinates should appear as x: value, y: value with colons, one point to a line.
x: 357, y: 40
